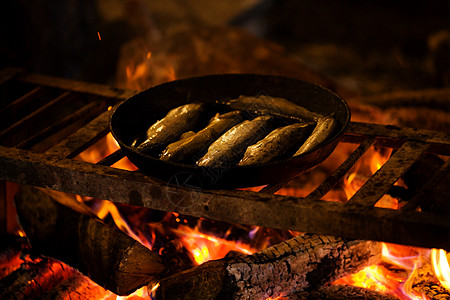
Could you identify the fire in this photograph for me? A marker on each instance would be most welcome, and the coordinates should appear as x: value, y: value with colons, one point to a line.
x: 371, y: 162
x: 141, y: 293
x: 103, y: 148
x: 397, y: 274
x: 441, y: 266
x: 401, y: 273
x: 394, y: 275
x: 205, y: 247
x: 142, y: 70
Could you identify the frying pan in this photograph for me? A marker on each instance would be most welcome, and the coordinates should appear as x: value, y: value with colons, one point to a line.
x: 135, y: 115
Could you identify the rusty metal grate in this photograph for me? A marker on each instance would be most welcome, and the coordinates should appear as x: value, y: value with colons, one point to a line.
x: 43, y: 156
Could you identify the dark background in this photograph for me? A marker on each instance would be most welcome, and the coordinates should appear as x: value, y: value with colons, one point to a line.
x: 371, y: 46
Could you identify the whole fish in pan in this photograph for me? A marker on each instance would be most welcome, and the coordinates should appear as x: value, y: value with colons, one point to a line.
x: 276, y: 144
x: 276, y: 105
x: 172, y: 126
x: 325, y: 128
x: 192, y: 145
x: 183, y: 138
x: 229, y: 148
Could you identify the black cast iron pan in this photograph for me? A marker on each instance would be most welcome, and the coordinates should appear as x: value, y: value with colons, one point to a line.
x: 134, y: 116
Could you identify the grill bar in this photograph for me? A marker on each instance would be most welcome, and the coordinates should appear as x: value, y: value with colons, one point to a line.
x: 14, y: 107
x: 244, y: 207
x: 56, y: 169
x: 112, y: 158
x: 31, y: 118
x: 85, y: 112
x: 83, y: 138
x: 437, y: 178
x: 337, y: 175
x: 393, y: 136
x: 388, y: 174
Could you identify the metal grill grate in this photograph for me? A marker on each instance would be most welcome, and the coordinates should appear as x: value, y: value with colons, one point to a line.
x: 38, y: 149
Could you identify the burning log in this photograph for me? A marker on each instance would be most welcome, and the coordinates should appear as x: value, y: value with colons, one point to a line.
x: 343, y: 292
x: 105, y: 254
x: 301, y: 264
x: 10, y: 252
x: 76, y: 287
x: 423, y: 283
x: 33, y: 279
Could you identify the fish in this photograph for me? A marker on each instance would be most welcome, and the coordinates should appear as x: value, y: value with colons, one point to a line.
x: 192, y: 145
x: 276, y: 144
x: 324, y: 129
x: 183, y: 138
x: 229, y: 148
x: 187, y: 134
x: 172, y: 126
x: 275, y: 105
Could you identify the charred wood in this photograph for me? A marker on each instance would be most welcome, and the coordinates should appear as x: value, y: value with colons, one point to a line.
x: 10, y: 252
x: 32, y: 279
x: 342, y: 292
x: 301, y: 264
x: 432, y: 291
x: 76, y: 287
x: 105, y: 254
x: 424, y: 284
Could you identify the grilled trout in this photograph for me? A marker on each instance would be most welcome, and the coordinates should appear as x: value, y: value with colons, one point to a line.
x: 274, y: 105
x: 324, y: 128
x: 172, y: 126
x: 228, y: 149
x: 276, y: 144
x: 194, y: 144
x: 183, y: 138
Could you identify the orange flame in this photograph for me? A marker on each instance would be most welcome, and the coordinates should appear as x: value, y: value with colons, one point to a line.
x: 368, y: 165
x: 143, y: 71
x: 441, y: 266
x: 384, y: 277
x: 104, y: 147
x: 205, y: 247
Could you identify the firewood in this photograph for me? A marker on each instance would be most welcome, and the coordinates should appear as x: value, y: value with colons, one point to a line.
x: 342, y: 292
x: 105, y: 254
x: 76, y: 287
x: 432, y: 291
x: 301, y: 264
x: 10, y: 252
x: 33, y: 279
x: 424, y: 283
